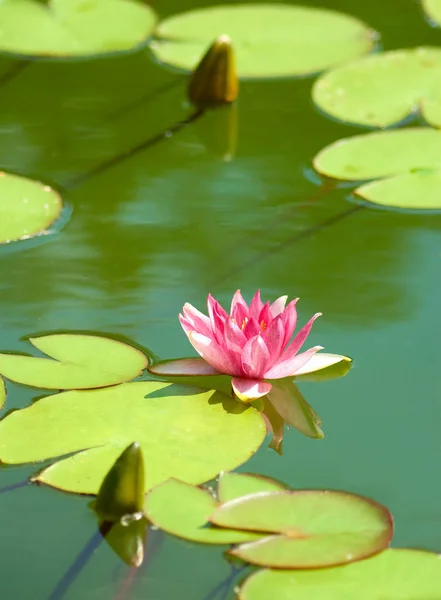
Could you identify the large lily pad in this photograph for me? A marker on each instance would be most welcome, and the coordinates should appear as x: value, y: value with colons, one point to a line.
x: 315, y: 528
x: 432, y: 8
x: 80, y: 362
x: 393, y: 574
x: 73, y: 27
x: 27, y: 207
x: 384, y: 89
x: 183, y: 432
x: 408, y: 161
x: 270, y: 40
x: 2, y: 393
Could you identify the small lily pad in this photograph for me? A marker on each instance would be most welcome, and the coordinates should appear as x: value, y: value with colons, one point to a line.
x: 384, y: 89
x: 408, y: 161
x: 393, y: 574
x: 236, y: 485
x: 270, y: 40
x: 76, y: 362
x: 27, y: 207
x: 65, y: 28
x: 183, y: 510
x: 212, y: 432
x: 432, y: 8
x: 315, y: 528
x: 2, y: 393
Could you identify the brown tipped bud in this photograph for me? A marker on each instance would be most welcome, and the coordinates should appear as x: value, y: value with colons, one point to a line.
x: 214, y: 80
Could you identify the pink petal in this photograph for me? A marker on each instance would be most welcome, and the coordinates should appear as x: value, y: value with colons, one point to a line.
x: 288, y: 368
x: 278, y: 306
x: 265, y: 317
x: 250, y: 389
x: 234, y: 337
x: 256, y: 305
x: 251, y: 328
x: 183, y: 366
x: 300, y: 338
x: 236, y: 302
x: 274, y: 337
x: 198, y: 321
x: 213, y: 353
x: 218, y: 316
x: 289, y: 320
x: 255, y: 357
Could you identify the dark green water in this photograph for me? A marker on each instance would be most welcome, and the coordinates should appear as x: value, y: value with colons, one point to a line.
x: 174, y: 222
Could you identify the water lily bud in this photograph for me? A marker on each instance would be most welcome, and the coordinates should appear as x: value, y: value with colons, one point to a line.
x: 214, y: 80
x: 121, y: 495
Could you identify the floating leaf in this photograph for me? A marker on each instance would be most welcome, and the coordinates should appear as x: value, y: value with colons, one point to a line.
x: 432, y: 8
x: 393, y: 574
x: 214, y: 80
x: 27, y: 207
x: 2, y: 393
x: 121, y: 493
x: 235, y: 485
x: 317, y: 528
x: 384, y: 89
x: 80, y: 362
x: 409, y: 159
x: 270, y: 40
x: 183, y: 510
x: 73, y: 27
x: 212, y: 433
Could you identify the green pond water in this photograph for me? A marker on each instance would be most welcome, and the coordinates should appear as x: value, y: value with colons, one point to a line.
x: 175, y: 221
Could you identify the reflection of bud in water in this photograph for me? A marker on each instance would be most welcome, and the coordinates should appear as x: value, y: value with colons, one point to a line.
x: 214, y: 80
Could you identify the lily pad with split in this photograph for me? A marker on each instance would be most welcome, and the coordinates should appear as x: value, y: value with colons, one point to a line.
x: 76, y: 362
x: 183, y: 432
x: 309, y: 528
x: 384, y: 89
x: 73, y: 28
x: 184, y: 510
x: 403, y: 166
x: 270, y: 40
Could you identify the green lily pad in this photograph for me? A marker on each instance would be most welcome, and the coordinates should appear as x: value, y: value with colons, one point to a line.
x: 432, y: 8
x: 269, y: 40
x: 183, y: 510
x: 316, y: 528
x: 384, y: 89
x: 27, y: 207
x: 121, y: 493
x: 2, y: 393
x: 393, y: 574
x: 236, y: 485
x: 408, y: 161
x: 65, y: 28
x: 80, y: 362
x: 183, y: 432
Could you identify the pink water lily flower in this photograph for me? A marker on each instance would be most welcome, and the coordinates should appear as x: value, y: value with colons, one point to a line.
x: 253, y: 343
